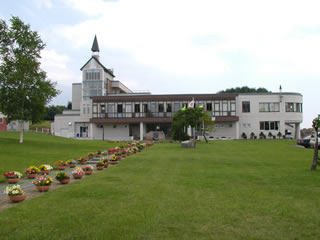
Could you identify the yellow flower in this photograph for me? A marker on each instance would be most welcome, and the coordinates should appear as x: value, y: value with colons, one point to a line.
x: 47, y: 182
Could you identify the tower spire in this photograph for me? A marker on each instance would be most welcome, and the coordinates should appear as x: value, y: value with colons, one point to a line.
x: 95, y: 46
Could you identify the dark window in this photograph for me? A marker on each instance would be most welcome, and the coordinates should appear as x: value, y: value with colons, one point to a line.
x: 261, y: 125
x: 272, y: 125
x: 245, y: 106
x: 169, y: 107
x: 145, y: 108
x: 209, y: 106
x: 119, y: 108
x: 137, y: 108
x: 161, y: 107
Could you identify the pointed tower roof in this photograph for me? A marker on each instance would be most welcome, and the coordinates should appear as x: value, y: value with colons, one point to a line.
x: 95, y: 46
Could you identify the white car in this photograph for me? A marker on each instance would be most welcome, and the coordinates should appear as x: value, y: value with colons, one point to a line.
x: 313, y: 141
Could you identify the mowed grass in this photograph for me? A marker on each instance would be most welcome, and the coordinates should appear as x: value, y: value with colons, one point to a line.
x: 221, y: 190
x: 40, y: 148
x: 42, y: 124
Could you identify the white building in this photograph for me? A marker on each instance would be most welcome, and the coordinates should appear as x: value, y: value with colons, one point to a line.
x: 103, y: 108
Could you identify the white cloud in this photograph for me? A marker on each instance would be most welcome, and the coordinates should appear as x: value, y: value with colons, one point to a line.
x: 161, y: 33
x: 56, y: 66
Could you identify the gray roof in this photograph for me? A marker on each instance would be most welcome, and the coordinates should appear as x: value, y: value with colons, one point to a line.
x: 95, y: 46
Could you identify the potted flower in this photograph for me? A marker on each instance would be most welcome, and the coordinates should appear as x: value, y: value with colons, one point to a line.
x: 114, y: 159
x: 106, y: 162
x: 43, y: 183
x: 72, y: 163
x: 13, y: 177
x: 111, y: 150
x: 15, y: 193
x: 32, y: 172
x: 61, y: 165
x: 45, y: 168
x: 118, y: 155
x: 90, y: 155
x: 98, y: 153
x: 77, y: 173
x: 62, y: 177
x: 100, y: 165
x: 88, y: 169
x: 82, y: 160
x: 104, y: 153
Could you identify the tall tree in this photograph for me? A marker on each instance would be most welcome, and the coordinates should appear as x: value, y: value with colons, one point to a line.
x: 24, y: 89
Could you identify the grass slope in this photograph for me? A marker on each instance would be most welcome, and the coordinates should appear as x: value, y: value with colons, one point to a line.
x: 221, y: 190
x: 41, y: 149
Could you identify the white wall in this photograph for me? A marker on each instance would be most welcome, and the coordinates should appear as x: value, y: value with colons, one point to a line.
x: 15, y: 126
x: 250, y: 122
x: 224, y: 130
x: 119, y: 132
x: 64, y: 126
x: 76, y: 95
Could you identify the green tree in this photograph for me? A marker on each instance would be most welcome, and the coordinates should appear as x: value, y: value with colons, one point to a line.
x: 192, y: 117
x: 316, y: 126
x: 24, y: 89
x: 51, y: 111
x: 245, y: 89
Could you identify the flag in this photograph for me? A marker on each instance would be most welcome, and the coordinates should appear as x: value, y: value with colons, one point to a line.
x: 191, y: 104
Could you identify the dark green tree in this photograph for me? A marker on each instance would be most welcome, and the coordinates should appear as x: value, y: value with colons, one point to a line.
x: 192, y: 117
x: 316, y: 126
x: 24, y: 88
x: 51, y: 111
x: 245, y: 89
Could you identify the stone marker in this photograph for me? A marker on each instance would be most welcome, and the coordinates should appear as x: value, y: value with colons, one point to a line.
x: 188, y: 144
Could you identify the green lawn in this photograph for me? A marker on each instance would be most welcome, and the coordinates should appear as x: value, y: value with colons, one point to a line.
x: 259, y: 189
x: 42, y: 124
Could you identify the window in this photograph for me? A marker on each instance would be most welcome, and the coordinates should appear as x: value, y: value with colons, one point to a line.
x: 0, y: 120
x: 246, y: 106
x: 145, y: 108
x: 293, y: 107
x: 209, y: 106
x: 88, y: 108
x: 102, y: 108
x: 92, y: 75
x: 269, y: 107
x: 289, y: 107
x: 84, y: 109
x: 176, y: 107
x: 137, y: 108
x: 272, y: 125
x: 119, y: 108
x: 160, y: 107
x: 169, y: 107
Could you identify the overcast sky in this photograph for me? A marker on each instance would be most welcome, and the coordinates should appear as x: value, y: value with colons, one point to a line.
x: 187, y: 46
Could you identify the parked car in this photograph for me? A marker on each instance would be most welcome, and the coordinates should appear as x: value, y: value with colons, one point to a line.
x: 304, y: 141
x: 313, y: 141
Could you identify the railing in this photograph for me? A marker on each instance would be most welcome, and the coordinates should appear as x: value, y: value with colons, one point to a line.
x: 41, y: 130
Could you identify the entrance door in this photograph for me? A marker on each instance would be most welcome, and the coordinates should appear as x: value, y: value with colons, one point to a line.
x: 83, y: 131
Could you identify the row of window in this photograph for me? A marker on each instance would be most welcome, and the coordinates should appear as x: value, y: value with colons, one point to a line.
x: 293, y: 107
x: 159, y: 109
x: 92, y: 75
x: 272, y: 107
x: 269, y: 125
